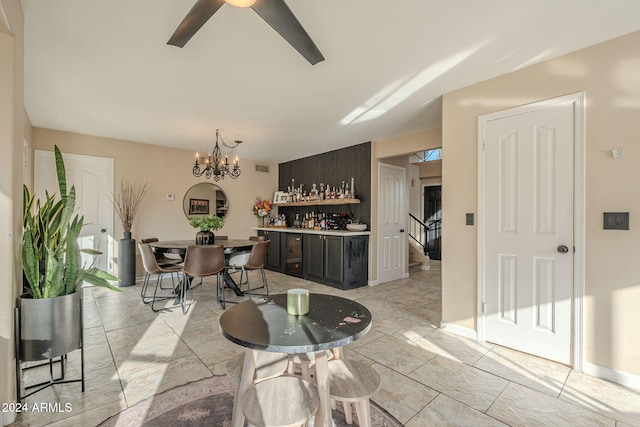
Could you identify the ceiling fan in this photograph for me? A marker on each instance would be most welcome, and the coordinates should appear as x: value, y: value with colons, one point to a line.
x: 276, y: 13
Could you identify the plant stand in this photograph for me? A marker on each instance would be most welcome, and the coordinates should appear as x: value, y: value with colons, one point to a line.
x: 61, y: 359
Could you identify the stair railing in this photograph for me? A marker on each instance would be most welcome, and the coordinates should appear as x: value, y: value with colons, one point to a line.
x: 418, y: 232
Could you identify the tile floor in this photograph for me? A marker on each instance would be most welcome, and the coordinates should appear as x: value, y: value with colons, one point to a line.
x: 429, y: 377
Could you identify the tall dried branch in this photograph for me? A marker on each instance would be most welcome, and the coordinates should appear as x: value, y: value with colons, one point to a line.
x: 127, y: 202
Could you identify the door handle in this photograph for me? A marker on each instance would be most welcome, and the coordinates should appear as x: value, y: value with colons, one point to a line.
x: 104, y: 230
x: 562, y: 249
x: 402, y: 230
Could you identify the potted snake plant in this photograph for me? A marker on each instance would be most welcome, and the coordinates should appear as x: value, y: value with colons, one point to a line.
x: 49, y: 323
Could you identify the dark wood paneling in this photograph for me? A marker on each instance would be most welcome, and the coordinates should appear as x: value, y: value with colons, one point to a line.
x: 331, y: 168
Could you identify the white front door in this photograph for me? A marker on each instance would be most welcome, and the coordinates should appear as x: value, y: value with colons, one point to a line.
x: 93, y: 179
x: 392, y: 213
x: 528, y: 231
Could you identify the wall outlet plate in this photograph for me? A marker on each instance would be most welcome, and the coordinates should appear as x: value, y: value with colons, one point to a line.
x: 169, y: 197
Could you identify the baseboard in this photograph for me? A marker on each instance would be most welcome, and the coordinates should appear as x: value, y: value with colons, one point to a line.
x: 618, y: 377
x: 373, y: 282
x: 7, y: 418
x: 459, y: 330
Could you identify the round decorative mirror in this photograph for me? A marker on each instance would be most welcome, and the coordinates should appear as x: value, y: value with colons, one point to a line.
x: 205, y: 198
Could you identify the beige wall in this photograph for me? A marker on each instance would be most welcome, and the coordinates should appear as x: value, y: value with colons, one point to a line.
x: 431, y: 170
x: 167, y: 171
x: 394, y: 151
x: 11, y: 137
x: 609, y: 74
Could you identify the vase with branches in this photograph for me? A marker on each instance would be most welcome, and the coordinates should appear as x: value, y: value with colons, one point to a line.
x: 127, y: 203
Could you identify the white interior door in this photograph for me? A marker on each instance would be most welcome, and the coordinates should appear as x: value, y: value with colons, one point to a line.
x: 528, y: 231
x: 392, y: 243
x: 93, y: 179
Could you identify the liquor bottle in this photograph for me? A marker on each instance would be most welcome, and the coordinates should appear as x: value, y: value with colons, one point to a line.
x: 313, y: 193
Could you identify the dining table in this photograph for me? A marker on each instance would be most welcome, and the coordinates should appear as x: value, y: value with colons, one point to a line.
x: 265, y: 325
x: 231, y: 246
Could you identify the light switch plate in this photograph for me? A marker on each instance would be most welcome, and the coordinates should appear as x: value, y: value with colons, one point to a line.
x: 469, y: 218
x: 616, y: 221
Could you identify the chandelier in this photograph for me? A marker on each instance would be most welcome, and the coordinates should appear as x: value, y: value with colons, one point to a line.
x: 214, y: 165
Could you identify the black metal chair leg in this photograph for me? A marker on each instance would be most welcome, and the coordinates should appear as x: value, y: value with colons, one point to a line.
x: 220, y: 291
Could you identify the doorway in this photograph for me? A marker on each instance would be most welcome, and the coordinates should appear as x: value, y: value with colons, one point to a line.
x: 531, y: 228
x: 392, y: 241
x: 433, y: 220
x: 93, y: 179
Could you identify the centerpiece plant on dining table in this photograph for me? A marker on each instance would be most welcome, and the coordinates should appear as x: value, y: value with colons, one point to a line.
x: 207, y: 225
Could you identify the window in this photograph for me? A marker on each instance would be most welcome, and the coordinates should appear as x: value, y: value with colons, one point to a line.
x: 427, y: 155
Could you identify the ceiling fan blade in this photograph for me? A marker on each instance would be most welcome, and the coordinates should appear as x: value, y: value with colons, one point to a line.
x: 278, y: 15
x: 194, y: 20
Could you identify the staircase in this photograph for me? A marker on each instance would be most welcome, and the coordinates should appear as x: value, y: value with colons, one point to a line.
x: 417, y: 259
x: 417, y: 245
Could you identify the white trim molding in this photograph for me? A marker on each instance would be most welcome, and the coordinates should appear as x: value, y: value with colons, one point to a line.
x: 622, y: 378
x: 459, y: 330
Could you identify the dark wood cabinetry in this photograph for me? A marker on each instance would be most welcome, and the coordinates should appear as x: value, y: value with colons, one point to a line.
x: 314, y: 256
x: 334, y: 260
x: 356, y: 261
x: 323, y: 258
x: 274, y: 255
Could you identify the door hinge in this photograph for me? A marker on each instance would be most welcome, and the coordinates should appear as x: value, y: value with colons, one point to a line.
x: 484, y: 308
x: 484, y: 145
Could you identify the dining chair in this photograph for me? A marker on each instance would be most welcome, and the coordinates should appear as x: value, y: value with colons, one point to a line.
x: 162, y: 259
x: 248, y: 261
x: 238, y: 259
x: 201, y: 261
x: 151, y: 267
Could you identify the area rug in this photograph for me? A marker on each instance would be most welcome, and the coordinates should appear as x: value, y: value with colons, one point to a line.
x: 208, y: 402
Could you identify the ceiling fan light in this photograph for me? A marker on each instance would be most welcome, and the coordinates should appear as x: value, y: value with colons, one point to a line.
x: 241, y: 3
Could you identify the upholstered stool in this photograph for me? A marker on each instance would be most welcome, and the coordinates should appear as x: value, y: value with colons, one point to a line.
x: 353, y: 382
x: 280, y: 402
x: 268, y: 365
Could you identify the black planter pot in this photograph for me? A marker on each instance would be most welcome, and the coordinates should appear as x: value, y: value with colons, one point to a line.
x: 127, y: 260
x: 49, y: 327
x: 46, y: 329
x: 204, y: 238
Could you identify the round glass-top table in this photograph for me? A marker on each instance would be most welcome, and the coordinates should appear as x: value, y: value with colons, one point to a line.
x: 264, y: 325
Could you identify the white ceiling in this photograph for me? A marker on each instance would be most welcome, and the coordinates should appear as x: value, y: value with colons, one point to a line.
x: 104, y: 68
